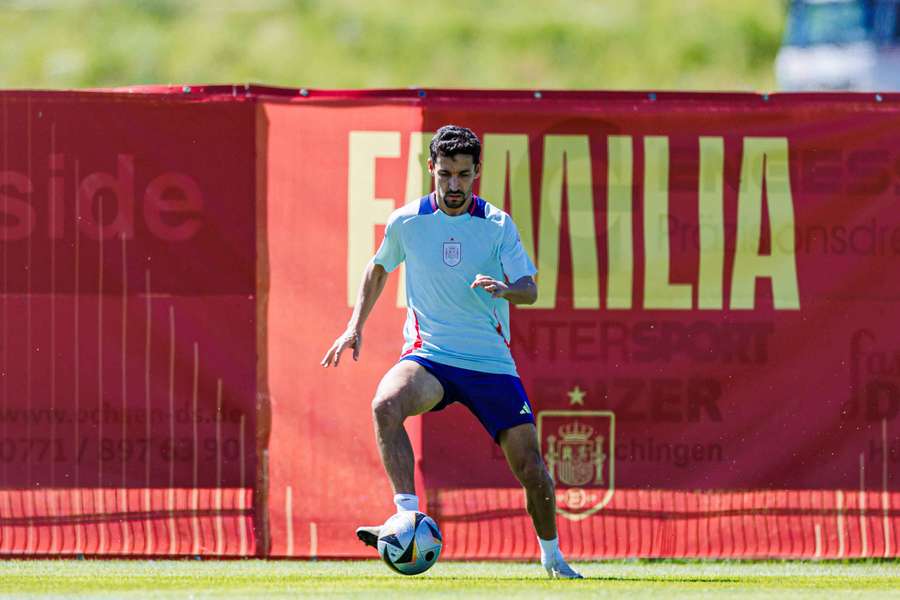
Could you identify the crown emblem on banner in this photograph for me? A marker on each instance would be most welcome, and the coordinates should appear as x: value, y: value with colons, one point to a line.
x: 576, y: 432
x: 579, y: 451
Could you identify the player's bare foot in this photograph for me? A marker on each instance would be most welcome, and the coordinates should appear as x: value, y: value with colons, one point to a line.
x: 368, y: 535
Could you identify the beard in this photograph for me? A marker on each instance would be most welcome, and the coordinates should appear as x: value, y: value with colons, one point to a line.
x: 454, y: 201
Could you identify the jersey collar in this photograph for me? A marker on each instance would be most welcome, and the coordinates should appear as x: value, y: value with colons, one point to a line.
x: 428, y: 205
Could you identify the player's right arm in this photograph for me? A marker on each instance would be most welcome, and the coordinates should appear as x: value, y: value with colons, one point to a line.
x: 370, y: 288
x: 388, y: 258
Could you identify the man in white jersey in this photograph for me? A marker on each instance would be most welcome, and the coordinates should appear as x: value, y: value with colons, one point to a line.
x: 464, y: 265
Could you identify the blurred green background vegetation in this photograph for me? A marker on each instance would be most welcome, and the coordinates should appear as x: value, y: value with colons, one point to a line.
x: 553, y: 44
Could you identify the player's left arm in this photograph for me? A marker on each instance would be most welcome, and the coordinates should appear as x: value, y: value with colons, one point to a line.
x: 518, y: 286
x: 522, y: 291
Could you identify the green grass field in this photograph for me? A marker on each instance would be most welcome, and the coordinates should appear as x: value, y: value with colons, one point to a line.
x: 560, y: 44
x: 252, y: 579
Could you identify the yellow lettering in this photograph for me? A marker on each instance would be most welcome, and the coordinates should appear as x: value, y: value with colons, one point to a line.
x: 567, y: 158
x: 712, y: 223
x: 618, y: 222
x: 508, y: 154
x: 364, y: 210
x: 765, y: 164
x: 659, y: 292
x: 418, y: 183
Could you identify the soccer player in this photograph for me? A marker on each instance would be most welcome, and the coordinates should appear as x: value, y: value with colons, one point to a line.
x: 464, y: 265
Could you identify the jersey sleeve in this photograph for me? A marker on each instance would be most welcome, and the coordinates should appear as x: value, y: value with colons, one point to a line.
x: 515, y: 261
x: 390, y: 254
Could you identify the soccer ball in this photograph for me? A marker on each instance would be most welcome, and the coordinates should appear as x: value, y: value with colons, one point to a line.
x: 410, y: 542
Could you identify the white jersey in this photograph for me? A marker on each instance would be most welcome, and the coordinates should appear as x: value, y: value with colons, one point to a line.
x: 447, y: 321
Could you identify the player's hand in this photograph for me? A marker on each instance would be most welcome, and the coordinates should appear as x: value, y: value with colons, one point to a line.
x: 349, y: 339
x: 496, y: 288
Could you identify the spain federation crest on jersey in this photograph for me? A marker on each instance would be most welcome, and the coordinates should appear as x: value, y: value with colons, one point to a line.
x: 452, y: 253
x: 579, y: 449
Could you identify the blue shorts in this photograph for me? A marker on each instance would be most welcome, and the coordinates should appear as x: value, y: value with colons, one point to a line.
x: 498, y: 401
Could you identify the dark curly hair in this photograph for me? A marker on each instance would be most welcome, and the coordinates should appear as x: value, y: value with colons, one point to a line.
x: 451, y: 140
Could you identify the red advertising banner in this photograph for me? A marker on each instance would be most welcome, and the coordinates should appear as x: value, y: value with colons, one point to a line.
x: 127, y: 303
x: 712, y: 357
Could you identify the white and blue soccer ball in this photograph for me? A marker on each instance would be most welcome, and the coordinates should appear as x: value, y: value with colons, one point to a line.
x: 410, y: 542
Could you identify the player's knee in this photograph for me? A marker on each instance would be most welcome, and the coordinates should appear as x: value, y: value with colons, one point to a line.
x: 386, y: 410
x: 532, y: 472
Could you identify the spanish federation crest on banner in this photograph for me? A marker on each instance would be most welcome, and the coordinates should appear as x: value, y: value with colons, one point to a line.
x: 578, y: 447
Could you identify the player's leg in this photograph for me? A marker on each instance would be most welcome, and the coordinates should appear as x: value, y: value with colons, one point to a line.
x: 501, y: 405
x: 523, y: 453
x: 406, y: 390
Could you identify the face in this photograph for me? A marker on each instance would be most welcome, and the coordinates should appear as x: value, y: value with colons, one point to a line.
x: 454, y: 178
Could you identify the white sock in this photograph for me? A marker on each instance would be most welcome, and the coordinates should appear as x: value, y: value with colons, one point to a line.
x: 549, y: 548
x: 406, y: 502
